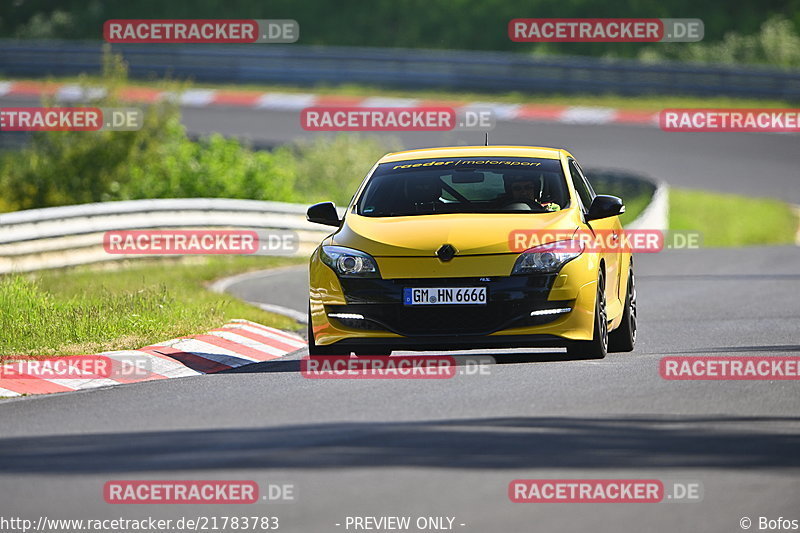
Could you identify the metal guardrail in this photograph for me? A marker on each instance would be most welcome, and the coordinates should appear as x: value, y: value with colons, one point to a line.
x: 57, y: 237
x: 404, y: 68
x: 626, y: 184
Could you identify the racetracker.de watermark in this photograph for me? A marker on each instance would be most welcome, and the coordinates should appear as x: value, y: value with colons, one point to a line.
x: 180, y: 492
x: 604, y: 491
x: 71, y: 119
x: 754, y: 368
x: 746, y: 120
x: 187, y: 31
x: 605, y: 30
x: 604, y: 241
x: 422, y: 118
x: 201, y: 242
x: 83, y: 367
x: 394, y: 367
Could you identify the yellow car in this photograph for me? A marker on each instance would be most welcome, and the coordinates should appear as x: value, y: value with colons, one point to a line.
x: 427, y: 257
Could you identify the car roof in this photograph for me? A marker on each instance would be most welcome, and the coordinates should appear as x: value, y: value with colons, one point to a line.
x: 540, y: 152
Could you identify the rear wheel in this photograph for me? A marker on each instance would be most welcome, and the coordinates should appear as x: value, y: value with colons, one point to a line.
x: 623, y: 338
x: 598, y: 346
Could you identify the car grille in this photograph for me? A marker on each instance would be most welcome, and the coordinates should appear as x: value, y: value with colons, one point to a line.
x: 511, y: 299
x: 441, y: 319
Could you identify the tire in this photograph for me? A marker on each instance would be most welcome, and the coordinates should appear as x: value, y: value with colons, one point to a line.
x: 623, y: 339
x: 597, y: 348
x: 321, y: 351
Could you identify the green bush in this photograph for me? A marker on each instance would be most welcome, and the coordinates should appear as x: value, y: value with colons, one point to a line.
x: 460, y: 24
x: 331, y: 168
x: 777, y: 43
x: 160, y: 161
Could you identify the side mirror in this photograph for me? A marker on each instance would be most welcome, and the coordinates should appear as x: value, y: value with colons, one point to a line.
x: 604, y: 206
x: 323, y: 213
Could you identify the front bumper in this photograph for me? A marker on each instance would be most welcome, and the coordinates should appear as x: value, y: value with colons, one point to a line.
x: 504, y: 321
x: 380, y: 302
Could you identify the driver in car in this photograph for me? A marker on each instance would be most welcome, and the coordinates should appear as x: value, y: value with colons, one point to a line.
x: 423, y: 194
x: 525, y: 189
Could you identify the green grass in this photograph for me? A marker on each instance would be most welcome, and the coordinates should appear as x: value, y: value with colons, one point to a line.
x: 644, y: 103
x: 731, y: 220
x: 122, y: 306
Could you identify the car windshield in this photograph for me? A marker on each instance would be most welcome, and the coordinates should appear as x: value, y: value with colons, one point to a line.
x: 464, y: 185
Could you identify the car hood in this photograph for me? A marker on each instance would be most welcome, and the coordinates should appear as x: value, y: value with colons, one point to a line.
x: 470, y: 234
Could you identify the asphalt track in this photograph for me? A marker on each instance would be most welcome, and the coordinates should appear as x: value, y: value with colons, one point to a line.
x: 450, y: 448
x: 755, y: 164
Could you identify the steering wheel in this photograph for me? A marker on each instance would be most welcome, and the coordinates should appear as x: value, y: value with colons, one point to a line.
x: 532, y: 205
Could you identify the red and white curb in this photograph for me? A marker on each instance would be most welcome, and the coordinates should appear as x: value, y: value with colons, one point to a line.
x: 238, y: 343
x: 298, y: 101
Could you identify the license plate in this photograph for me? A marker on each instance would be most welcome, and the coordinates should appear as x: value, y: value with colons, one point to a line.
x: 445, y: 295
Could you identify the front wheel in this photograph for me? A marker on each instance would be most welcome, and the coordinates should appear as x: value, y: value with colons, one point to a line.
x: 623, y: 338
x: 598, y: 346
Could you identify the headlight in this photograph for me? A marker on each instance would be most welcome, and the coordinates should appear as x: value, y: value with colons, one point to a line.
x: 349, y: 263
x: 547, y: 258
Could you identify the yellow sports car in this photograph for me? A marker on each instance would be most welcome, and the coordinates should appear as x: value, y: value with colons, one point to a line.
x: 471, y: 247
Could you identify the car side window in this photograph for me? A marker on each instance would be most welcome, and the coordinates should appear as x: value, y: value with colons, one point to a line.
x: 585, y: 191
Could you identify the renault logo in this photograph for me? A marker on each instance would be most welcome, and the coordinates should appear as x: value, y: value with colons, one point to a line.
x: 446, y: 252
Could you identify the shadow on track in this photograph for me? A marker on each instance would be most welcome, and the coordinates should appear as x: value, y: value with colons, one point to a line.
x: 487, y: 443
x: 717, y: 277
x: 293, y: 365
